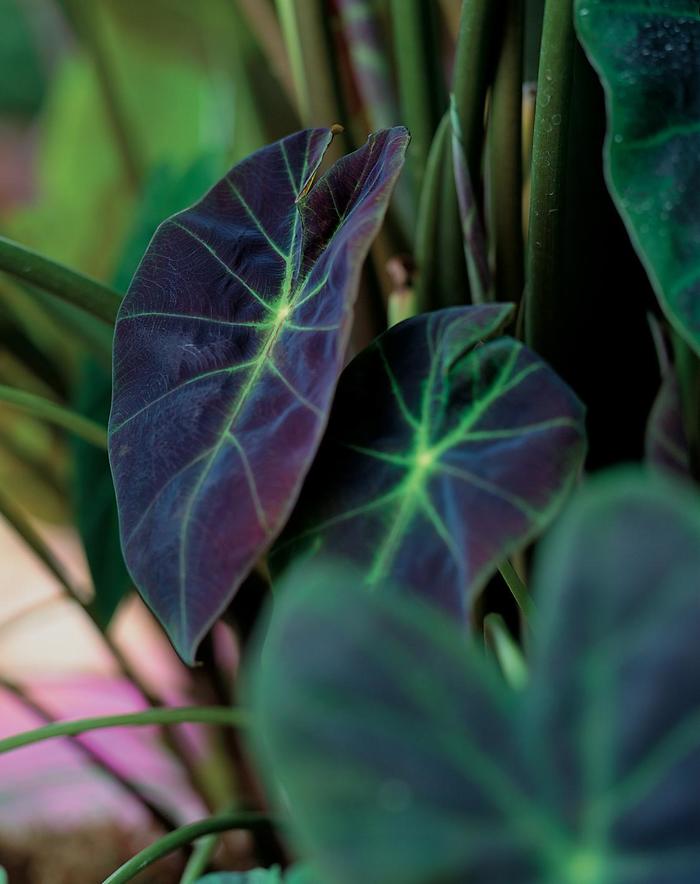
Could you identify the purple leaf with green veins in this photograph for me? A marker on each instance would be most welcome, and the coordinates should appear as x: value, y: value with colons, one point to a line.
x: 227, y: 351
x: 405, y: 759
x: 447, y: 448
x: 648, y: 58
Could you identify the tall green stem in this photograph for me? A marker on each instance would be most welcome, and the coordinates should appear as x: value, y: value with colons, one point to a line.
x: 45, y: 409
x: 68, y: 285
x: 182, y: 836
x: 547, y: 233
x: 217, y: 715
x: 505, y: 159
x: 473, y: 74
x: 422, y: 94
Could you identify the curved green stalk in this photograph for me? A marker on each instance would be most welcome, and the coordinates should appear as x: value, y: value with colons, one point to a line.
x: 182, y: 836
x: 505, y: 159
x: 47, y: 410
x: 218, y: 715
x: 546, y: 231
x: 68, y: 285
x: 517, y: 587
x: 506, y: 650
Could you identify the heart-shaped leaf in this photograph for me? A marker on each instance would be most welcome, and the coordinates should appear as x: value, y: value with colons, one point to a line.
x: 227, y: 351
x: 648, y: 58
x: 405, y: 759
x: 447, y: 448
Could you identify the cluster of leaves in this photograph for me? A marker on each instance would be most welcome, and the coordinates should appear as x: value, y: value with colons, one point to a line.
x: 393, y: 501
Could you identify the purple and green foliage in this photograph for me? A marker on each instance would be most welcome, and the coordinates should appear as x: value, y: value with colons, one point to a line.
x: 648, y: 57
x: 227, y: 350
x: 449, y: 446
x: 406, y: 759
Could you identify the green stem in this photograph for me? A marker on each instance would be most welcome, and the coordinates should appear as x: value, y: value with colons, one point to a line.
x: 82, y: 13
x: 19, y: 522
x: 308, y: 41
x: 547, y: 233
x: 474, y: 71
x: 422, y: 94
x: 68, y: 285
x: 687, y: 368
x: 517, y: 587
x: 216, y: 715
x: 506, y: 650
x: 505, y: 160
x: 44, y: 409
x: 201, y: 857
x: 92, y: 755
x: 182, y: 836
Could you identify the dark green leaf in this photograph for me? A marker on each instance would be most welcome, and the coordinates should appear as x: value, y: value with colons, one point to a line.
x: 405, y: 759
x: 648, y: 57
x: 447, y: 448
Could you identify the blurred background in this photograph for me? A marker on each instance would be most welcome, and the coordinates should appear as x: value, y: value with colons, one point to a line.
x: 115, y: 114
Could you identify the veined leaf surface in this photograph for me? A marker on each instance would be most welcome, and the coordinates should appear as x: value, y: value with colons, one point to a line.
x: 447, y: 447
x: 227, y: 350
x: 648, y: 58
x: 405, y: 758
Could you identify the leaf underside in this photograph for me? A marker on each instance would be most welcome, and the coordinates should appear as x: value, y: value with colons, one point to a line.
x: 648, y: 57
x: 405, y: 759
x: 447, y: 448
x: 227, y: 351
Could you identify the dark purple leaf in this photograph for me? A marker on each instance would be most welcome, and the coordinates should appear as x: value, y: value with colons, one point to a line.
x: 448, y: 447
x: 227, y: 351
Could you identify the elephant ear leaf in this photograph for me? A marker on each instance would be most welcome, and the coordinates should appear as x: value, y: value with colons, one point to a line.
x: 648, y: 58
x: 227, y: 350
x: 404, y: 759
x: 449, y: 445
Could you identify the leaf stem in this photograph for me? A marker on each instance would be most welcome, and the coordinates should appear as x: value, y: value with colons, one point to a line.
x: 505, y: 159
x: 68, y: 285
x: 517, y: 587
x: 182, y: 836
x: 215, y: 715
x: 474, y: 71
x: 92, y: 755
x: 45, y: 409
x: 506, y: 650
x: 547, y: 231
x: 422, y: 94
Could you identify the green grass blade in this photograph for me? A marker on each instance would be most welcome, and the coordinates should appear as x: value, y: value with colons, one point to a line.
x: 44, y: 409
x: 68, y: 285
x: 215, y: 715
x: 183, y: 836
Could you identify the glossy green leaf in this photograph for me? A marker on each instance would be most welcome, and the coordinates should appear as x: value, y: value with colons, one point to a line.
x: 227, y: 351
x: 448, y: 447
x: 405, y: 759
x: 648, y: 57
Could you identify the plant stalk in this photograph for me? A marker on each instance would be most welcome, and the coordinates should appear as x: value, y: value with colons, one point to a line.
x: 91, y: 754
x: 214, y: 715
x: 505, y: 160
x: 547, y: 235
x: 182, y: 836
x: 45, y: 409
x: 68, y: 285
